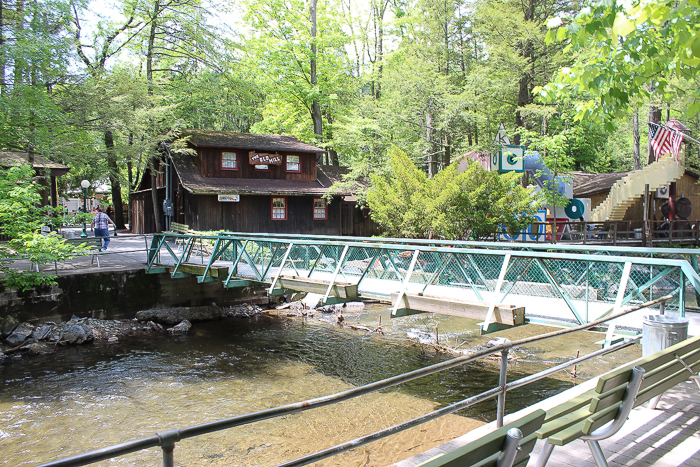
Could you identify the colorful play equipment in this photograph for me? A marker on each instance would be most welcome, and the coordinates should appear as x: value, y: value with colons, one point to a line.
x: 511, y: 158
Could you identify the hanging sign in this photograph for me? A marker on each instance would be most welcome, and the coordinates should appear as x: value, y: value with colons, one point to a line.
x: 501, y: 136
x: 261, y: 158
x: 230, y: 198
x: 511, y: 159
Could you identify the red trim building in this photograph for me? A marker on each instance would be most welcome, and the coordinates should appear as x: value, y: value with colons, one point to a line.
x: 247, y: 183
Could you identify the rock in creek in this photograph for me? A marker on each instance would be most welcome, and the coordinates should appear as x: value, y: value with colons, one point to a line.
x: 7, y: 325
x: 40, y: 348
x: 42, y: 332
x: 337, y: 308
x: 77, y: 334
x: 2, y: 357
x: 178, y: 314
x: 181, y: 328
x: 20, y: 334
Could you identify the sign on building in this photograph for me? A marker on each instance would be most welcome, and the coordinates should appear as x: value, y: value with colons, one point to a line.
x: 229, y: 198
x: 262, y: 158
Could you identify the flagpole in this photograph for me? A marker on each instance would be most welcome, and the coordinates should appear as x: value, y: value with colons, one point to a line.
x: 677, y: 131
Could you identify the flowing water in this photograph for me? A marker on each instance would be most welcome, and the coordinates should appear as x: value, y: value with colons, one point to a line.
x: 83, y: 398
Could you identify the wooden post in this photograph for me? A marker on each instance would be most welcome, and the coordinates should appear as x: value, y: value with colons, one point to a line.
x: 585, y: 231
x: 646, y: 234
x: 615, y: 234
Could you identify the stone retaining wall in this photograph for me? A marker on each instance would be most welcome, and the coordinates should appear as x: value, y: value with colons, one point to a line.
x: 117, y: 295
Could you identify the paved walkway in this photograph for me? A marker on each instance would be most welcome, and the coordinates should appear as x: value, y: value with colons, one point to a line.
x: 666, y: 437
x: 126, y: 252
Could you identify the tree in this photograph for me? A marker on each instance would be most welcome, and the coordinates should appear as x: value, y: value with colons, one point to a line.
x: 299, y: 57
x: 21, y: 219
x: 473, y: 204
x: 627, y: 51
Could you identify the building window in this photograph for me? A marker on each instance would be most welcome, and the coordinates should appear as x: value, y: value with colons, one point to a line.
x: 293, y: 164
x: 320, y: 209
x: 229, y: 160
x: 279, y: 208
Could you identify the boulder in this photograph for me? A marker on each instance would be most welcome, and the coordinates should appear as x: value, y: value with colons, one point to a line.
x: 179, y: 314
x: 77, y: 334
x: 42, y: 332
x: 19, y: 335
x: 40, y: 348
x: 2, y: 357
x: 181, y: 328
x: 7, y: 325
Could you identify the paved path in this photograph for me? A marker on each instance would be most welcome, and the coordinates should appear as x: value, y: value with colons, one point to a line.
x: 666, y: 437
x: 126, y: 252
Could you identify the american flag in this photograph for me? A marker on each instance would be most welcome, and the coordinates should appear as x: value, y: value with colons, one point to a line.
x: 664, y: 140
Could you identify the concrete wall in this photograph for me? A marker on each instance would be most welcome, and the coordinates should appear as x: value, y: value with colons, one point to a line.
x: 115, y: 295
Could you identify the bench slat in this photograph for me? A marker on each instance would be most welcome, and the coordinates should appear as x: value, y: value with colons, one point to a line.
x: 665, y: 372
x: 557, y: 425
x: 599, y: 419
x: 610, y: 398
x: 662, y: 387
x: 649, y: 363
x: 482, y: 451
x: 582, y: 400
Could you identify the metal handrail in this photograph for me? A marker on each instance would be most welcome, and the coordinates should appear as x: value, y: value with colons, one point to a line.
x: 167, y: 439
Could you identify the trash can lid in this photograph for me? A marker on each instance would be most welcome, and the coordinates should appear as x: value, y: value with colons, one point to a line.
x: 664, y: 319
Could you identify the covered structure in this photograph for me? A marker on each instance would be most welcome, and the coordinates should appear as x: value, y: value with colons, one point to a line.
x: 246, y: 183
x: 47, y: 170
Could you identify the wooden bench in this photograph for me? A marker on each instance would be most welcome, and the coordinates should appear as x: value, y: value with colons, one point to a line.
x: 181, y: 229
x: 508, y: 446
x: 599, y: 413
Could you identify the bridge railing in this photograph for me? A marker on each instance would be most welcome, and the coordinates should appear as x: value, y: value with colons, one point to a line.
x: 167, y: 440
x: 556, y: 286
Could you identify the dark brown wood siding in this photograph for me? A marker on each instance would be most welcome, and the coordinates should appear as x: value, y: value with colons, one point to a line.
x: 253, y: 214
x: 142, y: 220
x: 208, y: 161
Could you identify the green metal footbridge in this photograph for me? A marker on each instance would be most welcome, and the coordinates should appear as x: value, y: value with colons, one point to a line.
x: 501, y: 284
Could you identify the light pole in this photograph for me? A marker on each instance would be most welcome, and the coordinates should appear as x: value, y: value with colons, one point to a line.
x: 84, y: 184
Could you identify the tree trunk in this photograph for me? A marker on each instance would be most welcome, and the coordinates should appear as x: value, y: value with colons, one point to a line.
x: 113, y: 166
x: 432, y: 162
x: 654, y: 117
x: 635, y: 139
x: 3, y: 60
x: 149, y: 76
x: 154, y: 197
x: 316, y: 116
x: 448, y: 150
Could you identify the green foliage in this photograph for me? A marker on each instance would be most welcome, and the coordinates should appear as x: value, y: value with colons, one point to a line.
x: 21, y: 219
x: 473, y: 204
x: 623, y: 49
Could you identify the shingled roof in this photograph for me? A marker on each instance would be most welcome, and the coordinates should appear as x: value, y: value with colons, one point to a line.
x: 228, y: 139
x: 193, y: 181
x: 17, y: 158
x: 587, y: 184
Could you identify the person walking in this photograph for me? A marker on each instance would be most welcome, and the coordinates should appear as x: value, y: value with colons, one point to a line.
x: 100, y: 224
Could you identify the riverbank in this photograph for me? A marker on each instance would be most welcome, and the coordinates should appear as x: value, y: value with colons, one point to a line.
x: 20, y: 339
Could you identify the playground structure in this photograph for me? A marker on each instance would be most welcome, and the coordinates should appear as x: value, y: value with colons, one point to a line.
x: 664, y: 172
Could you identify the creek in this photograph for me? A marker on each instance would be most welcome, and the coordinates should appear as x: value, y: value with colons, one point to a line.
x: 87, y: 397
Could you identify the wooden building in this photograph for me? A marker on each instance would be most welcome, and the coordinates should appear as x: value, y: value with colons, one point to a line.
x: 247, y: 183
x: 46, y: 170
x: 596, y: 186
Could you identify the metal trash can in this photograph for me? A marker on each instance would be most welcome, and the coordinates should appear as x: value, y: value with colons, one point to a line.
x: 662, y: 331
